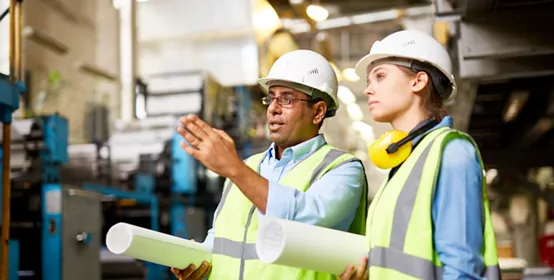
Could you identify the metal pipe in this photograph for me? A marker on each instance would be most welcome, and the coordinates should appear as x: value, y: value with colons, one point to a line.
x: 6, y: 195
x: 18, y: 40
x: 6, y: 137
x: 12, y: 40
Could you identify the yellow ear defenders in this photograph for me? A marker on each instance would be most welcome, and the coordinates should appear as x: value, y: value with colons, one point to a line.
x: 393, y: 147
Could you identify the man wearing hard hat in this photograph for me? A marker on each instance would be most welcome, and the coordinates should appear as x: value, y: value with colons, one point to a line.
x: 430, y: 219
x: 300, y: 177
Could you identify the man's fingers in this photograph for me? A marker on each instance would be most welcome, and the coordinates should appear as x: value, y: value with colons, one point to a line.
x: 185, y: 273
x: 190, y: 150
x: 199, y: 127
x: 192, y: 124
x: 223, y: 135
x: 207, y: 272
x: 191, y: 138
x: 197, y: 274
x: 347, y: 273
x: 361, y: 269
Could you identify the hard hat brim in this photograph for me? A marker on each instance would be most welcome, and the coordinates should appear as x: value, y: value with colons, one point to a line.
x: 361, y: 69
x: 264, y: 83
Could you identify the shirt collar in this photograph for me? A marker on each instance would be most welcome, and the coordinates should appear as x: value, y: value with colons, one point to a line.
x: 301, y: 150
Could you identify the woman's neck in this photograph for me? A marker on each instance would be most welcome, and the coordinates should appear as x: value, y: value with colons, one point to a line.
x: 408, y: 120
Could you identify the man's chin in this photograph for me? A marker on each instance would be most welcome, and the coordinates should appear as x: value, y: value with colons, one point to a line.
x: 275, y: 137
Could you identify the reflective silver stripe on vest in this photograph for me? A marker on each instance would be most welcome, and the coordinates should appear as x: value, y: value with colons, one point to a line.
x: 416, y: 266
x: 331, y: 156
x: 394, y: 257
x: 230, y: 248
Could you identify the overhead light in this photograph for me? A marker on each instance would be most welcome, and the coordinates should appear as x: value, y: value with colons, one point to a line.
x: 364, y: 18
x: 350, y: 75
x: 346, y: 96
x: 295, y: 2
x: 317, y: 12
x: 265, y: 18
x: 355, y: 112
x: 490, y: 175
x: 515, y: 103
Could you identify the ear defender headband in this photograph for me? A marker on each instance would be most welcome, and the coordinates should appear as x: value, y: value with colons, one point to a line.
x: 394, y: 147
x: 438, y: 80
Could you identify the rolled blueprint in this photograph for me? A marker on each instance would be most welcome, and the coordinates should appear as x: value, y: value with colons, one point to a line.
x: 156, y: 247
x: 309, y: 247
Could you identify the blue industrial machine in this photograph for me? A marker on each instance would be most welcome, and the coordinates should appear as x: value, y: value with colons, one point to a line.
x: 154, y: 183
x: 57, y: 226
x: 9, y: 102
x: 64, y: 205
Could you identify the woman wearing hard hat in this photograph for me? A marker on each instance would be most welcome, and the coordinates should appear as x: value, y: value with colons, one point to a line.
x: 430, y: 219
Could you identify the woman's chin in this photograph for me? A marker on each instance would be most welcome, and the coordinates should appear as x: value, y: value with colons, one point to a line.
x: 379, y: 116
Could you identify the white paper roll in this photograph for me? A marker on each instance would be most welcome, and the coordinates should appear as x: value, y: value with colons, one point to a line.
x: 309, y: 247
x: 152, y: 246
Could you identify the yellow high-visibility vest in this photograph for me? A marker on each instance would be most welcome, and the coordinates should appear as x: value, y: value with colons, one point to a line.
x: 399, y: 225
x: 236, y: 223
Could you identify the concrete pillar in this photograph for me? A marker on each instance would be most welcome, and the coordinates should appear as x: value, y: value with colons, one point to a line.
x: 523, y: 214
x: 107, y: 57
x: 544, y: 177
x: 128, y: 56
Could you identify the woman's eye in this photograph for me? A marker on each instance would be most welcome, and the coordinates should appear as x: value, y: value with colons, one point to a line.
x: 380, y: 77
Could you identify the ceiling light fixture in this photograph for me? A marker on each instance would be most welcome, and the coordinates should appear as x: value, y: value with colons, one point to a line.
x: 317, y: 13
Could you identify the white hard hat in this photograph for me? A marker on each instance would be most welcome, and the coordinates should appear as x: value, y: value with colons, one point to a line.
x: 304, y: 70
x: 413, y: 45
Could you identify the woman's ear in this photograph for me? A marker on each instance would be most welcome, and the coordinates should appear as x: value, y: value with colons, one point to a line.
x: 420, y: 81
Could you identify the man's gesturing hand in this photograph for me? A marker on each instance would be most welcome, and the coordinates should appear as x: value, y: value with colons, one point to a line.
x: 213, y: 147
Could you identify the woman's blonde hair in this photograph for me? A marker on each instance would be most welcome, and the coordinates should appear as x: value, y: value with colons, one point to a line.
x: 432, y: 100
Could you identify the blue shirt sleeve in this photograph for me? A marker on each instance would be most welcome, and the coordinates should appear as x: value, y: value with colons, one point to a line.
x: 330, y: 202
x: 458, y: 212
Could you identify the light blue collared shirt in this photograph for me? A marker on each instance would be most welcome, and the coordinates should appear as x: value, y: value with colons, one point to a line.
x: 457, y: 210
x: 329, y: 202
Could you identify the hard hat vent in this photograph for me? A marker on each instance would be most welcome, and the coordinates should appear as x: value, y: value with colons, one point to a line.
x: 313, y: 71
x: 410, y: 42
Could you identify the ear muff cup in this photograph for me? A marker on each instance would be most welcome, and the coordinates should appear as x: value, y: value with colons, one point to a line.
x: 394, y: 147
x: 378, y: 150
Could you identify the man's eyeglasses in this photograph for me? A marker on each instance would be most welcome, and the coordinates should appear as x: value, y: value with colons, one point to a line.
x: 282, y: 100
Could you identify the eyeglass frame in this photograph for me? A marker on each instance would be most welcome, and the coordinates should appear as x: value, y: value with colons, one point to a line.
x: 281, y: 99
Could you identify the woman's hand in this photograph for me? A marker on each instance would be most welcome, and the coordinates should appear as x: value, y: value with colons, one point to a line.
x: 359, y: 273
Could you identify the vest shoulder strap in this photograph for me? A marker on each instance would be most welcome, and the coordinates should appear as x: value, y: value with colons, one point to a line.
x: 255, y: 160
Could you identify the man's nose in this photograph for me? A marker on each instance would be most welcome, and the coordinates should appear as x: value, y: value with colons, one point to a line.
x: 274, y: 107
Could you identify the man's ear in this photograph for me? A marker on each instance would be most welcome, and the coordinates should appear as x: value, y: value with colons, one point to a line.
x: 320, y: 109
x: 420, y: 81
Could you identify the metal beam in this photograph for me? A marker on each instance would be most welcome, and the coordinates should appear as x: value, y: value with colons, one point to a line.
x: 477, y: 6
x: 512, y: 158
x: 500, y: 36
x: 519, y: 67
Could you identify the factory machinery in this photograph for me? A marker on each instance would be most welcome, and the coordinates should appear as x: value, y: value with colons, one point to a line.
x: 66, y: 197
